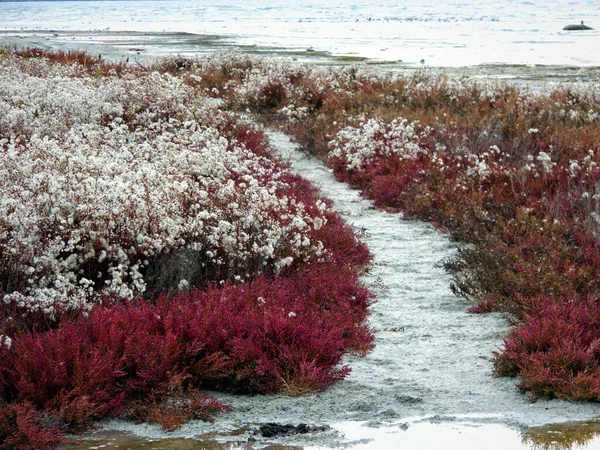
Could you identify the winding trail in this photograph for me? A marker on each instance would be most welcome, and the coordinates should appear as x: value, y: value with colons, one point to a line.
x: 431, y: 358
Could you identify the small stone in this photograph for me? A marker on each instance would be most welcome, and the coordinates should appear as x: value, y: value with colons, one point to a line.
x: 270, y: 430
x: 408, y: 400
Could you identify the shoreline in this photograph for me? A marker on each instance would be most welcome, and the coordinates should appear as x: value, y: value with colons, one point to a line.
x: 143, y: 47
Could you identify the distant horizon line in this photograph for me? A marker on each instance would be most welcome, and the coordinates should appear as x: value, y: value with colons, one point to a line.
x: 39, y: 1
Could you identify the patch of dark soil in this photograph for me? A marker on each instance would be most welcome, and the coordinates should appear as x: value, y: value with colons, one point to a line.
x: 270, y: 430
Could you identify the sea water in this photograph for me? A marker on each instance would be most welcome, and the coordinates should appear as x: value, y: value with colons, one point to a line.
x: 451, y: 33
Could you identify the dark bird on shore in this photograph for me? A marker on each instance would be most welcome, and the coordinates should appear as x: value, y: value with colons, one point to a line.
x: 577, y: 27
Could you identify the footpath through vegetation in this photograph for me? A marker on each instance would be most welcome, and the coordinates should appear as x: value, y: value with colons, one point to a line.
x: 151, y: 246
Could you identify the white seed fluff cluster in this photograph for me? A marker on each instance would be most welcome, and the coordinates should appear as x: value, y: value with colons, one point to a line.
x: 269, y: 79
x: 102, y: 176
x: 5, y: 341
x: 358, y: 146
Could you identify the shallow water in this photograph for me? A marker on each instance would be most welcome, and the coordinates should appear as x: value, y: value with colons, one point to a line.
x: 429, y: 374
x: 424, y: 435
x: 448, y: 33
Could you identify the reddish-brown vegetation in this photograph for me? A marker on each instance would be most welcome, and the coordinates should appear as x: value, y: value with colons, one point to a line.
x: 265, y: 336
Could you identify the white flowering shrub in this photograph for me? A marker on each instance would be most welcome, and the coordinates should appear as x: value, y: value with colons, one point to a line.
x: 293, y: 113
x: 359, y: 146
x: 121, y: 185
x: 66, y: 99
x: 269, y: 82
x: 5, y: 341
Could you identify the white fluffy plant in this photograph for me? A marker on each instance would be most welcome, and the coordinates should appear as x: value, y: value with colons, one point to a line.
x: 56, y: 98
x: 359, y: 145
x: 269, y: 82
x: 131, y: 185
